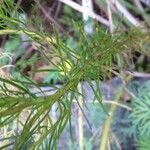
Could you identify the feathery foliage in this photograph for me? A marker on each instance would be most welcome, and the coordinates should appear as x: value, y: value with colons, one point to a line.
x: 30, y: 116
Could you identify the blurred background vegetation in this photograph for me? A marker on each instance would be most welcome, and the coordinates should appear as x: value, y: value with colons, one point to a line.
x: 77, y: 31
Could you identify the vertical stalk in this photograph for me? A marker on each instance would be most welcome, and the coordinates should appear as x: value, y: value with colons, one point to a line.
x: 80, y: 119
x: 107, y: 124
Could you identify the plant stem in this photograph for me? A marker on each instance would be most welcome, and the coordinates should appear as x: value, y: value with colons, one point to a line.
x: 27, y: 32
x: 80, y: 118
x: 107, y: 124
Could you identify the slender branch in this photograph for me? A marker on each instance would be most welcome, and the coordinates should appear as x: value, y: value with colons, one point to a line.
x: 48, y: 16
x: 27, y: 32
x: 116, y: 141
x: 146, y: 2
x: 107, y: 124
x: 111, y: 102
x: 117, y: 104
x: 142, y: 10
x: 138, y: 74
x: 111, y: 27
x: 80, y: 119
x: 90, y: 13
x: 125, y: 13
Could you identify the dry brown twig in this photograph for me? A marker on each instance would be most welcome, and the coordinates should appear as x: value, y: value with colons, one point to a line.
x: 51, y: 19
x: 58, y: 10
